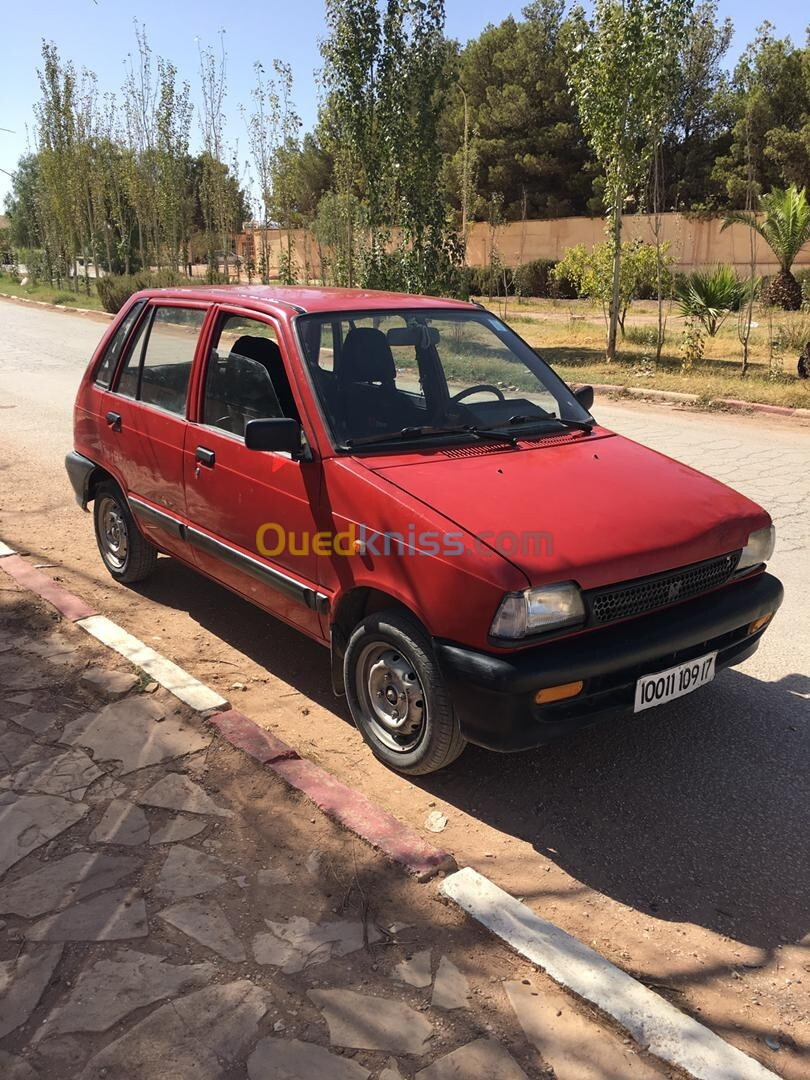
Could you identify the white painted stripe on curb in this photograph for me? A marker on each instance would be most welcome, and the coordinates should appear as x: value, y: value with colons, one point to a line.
x: 197, y: 695
x: 6, y: 550
x: 656, y: 1025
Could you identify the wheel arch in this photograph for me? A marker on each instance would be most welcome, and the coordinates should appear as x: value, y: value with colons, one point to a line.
x: 352, y: 607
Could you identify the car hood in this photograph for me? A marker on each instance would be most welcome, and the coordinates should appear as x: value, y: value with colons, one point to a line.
x: 592, y: 509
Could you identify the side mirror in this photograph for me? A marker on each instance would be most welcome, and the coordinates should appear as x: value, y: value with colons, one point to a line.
x: 278, y: 433
x: 584, y: 396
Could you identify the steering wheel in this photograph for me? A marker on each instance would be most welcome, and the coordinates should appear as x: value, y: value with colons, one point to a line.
x: 477, y: 389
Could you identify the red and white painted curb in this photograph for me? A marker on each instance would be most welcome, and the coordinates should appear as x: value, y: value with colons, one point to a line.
x: 653, y: 1022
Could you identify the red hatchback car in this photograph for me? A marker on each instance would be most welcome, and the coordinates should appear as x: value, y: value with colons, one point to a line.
x: 406, y: 481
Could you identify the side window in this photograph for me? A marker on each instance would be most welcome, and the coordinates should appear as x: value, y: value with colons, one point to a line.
x: 109, y: 362
x: 169, y: 355
x: 245, y: 379
x: 326, y: 353
x: 128, y: 377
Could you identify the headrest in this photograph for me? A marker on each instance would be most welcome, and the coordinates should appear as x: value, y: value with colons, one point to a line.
x: 261, y: 349
x: 366, y: 357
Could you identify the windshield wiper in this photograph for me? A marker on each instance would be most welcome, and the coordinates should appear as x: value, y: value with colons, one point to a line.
x: 407, y: 433
x: 496, y: 434
x: 577, y: 425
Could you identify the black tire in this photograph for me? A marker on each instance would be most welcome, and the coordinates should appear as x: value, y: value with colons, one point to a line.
x: 392, y: 678
x: 125, y: 552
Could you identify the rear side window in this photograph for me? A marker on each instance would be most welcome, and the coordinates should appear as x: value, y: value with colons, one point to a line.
x: 158, y: 368
x: 112, y: 354
x: 128, y: 378
x: 169, y: 355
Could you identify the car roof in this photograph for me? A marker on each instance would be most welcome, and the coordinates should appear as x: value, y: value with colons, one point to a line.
x: 305, y: 299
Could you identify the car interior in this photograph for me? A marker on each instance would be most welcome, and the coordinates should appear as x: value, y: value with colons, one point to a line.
x: 378, y: 379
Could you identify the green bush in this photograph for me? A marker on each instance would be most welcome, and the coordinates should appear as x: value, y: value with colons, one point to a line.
x: 803, y: 278
x: 711, y: 295
x: 115, y: 290
x: 532, y: 279
x: 489, y: 281
x: 590, y: 273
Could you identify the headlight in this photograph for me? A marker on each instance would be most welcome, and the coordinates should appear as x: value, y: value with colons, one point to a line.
x: 758, y: 549
x: 545, y: 608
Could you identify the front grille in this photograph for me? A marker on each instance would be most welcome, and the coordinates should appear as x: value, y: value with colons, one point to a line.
x: 659, y: 590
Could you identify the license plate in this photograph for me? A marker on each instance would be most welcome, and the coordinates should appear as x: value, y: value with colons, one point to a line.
x: 674, y: 682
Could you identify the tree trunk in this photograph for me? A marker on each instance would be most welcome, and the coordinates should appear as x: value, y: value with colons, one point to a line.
x: 616, y: 230
x: 785, y: 292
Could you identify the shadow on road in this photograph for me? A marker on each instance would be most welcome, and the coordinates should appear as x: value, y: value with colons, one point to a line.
x: 697, y: 812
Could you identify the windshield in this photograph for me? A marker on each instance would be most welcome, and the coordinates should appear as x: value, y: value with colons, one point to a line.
x: 430, y: 374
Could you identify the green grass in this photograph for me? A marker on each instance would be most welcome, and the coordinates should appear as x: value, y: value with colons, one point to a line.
x: 50, y: 295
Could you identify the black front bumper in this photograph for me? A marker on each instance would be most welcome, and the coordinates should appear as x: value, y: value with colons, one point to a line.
x: 493, y: 693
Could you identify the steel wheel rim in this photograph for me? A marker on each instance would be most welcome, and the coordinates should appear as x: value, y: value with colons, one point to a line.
x: 392, y: 696
x: 114, y: 533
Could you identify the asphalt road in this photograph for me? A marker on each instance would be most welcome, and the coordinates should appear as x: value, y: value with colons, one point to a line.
x: 676, y: 842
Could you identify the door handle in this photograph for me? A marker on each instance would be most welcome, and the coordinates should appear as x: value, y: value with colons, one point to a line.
x: 205, y: 457
x: 114, y: 420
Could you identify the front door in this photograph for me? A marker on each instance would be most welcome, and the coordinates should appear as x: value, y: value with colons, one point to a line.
x: 251, y: 519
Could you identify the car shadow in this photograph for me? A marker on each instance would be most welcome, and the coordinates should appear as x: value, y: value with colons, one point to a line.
x: 283, y: 650
x: 697, y: 811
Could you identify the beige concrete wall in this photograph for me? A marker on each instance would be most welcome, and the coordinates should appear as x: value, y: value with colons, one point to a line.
x: 693, y: 242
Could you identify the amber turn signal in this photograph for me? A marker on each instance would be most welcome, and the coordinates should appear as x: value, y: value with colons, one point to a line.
x: 757, y: 624
x: 558, y: 693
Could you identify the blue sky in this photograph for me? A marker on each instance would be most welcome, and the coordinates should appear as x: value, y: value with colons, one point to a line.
x: 98, y: 34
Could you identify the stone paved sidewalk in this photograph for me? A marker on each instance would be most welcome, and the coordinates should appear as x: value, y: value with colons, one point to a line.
x: 170, y: 910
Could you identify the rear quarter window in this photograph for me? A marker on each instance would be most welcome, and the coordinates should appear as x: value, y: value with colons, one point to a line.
x: 112, y: 354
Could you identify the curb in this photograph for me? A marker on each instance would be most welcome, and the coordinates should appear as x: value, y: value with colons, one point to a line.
x: 72, y: 607
x: 67, y: 308
x: 348, y: 807
x: 678, y: 398
x: 651, y: 1020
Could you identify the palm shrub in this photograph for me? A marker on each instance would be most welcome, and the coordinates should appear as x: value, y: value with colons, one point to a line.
x: 785, y: 228
x: 710, y: 296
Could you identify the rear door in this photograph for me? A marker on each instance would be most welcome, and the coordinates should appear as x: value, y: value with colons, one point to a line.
x: 146, y: 419
x: 252, y: 513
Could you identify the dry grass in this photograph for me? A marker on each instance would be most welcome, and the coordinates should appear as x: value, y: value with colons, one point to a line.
x: 570, y: 334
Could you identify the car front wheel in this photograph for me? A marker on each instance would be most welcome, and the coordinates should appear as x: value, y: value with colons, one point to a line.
x: 397, y: 696
x: 126, y: 554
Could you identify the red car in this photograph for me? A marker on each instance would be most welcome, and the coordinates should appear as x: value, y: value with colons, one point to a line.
x: 407, y: 482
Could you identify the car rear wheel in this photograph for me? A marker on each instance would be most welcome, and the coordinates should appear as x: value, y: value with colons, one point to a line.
x: 397, y: 696
x: 126, y: 554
